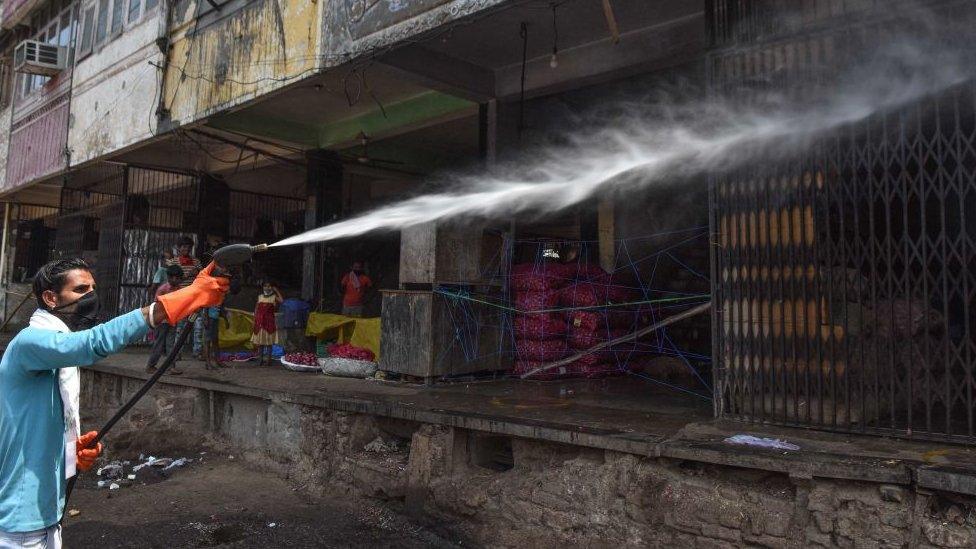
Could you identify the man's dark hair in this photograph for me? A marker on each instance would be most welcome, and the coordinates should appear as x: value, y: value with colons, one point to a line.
x: 174, y: 271
x: 52, y: 276
x: 186, y: 241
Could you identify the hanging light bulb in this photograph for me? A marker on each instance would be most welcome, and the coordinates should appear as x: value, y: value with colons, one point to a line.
x: 553, y: 60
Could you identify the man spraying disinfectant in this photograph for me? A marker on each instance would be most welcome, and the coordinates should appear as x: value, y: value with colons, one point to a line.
x: 40, y: 427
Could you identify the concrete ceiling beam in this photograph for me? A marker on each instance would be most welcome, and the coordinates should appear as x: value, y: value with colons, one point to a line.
x: 395, y: 118
x: 441, y: 72
x: 650, y: 48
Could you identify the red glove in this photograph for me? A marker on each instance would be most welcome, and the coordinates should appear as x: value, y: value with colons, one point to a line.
x: 87, y: 456
x: 205, y: 291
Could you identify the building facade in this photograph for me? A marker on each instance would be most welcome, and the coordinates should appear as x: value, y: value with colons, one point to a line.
x: 249, y: 121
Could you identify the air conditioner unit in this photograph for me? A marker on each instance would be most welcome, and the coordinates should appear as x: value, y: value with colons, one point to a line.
x: 35, y: 57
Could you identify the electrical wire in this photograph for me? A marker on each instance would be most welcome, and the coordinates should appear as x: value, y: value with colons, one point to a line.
x: 321, y: 65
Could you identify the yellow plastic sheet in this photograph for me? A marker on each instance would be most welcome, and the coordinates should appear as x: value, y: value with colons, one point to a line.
x: 236, y: 333
x: 361, y: 332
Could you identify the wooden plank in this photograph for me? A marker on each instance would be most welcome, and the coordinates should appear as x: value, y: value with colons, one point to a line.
x: 406, y: 342
x: 423, y: 336
x: 430, y: 253
x: 417, y: 254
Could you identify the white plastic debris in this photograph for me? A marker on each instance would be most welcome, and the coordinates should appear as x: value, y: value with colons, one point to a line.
x: 162, y: 462
x: 112, y: 470
x: 102, y: 483
x: 153, y: 462
x: 380, y: 445
x: 272, y: 524
x: 131, y: 477
x: 177, y: 463
x: 113, y: 486
x: 774, y: 443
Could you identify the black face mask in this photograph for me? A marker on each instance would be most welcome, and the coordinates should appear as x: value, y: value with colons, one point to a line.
x: 83, y: 314
x: 359, y: 272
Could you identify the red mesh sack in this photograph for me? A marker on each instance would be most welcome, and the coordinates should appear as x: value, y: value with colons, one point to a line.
x: 594, y: 366
x: 549, y: 350
x: 584, y: 339
x: 581, y: 295
x: 536, y: 301
x: 590, y: 294
x: 584, y: 271
x: 599, y: 319
x: 538, y: 276
x: 586, y: 321
x: 539, y: 326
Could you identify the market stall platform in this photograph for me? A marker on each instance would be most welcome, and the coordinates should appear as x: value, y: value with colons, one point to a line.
x: 619, y: 414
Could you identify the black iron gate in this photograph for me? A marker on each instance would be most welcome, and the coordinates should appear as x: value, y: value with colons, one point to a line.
x: 262, y: 218
x: 120, y: 218
x: 845, y: 278
x: 32, y: 234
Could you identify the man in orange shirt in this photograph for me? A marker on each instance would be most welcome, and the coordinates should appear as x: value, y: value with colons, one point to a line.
x: 354, y: 286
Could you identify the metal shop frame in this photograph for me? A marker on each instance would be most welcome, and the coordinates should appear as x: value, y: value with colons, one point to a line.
x: 257, y: 218
x: 34, y: 226
x: 129, y: 214
x: 844, y: 278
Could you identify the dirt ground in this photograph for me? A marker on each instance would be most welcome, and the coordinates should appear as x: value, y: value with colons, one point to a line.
x: 220, y: 502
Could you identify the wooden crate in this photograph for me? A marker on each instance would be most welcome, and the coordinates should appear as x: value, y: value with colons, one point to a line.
x: 421, y: 337
x: 429, y: 253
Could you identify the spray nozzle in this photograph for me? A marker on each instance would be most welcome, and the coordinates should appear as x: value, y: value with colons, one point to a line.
x: 234, y: 255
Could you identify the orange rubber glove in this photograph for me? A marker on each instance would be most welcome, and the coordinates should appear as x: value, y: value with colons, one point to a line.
x: 87, y: 456
x: 205, y: 291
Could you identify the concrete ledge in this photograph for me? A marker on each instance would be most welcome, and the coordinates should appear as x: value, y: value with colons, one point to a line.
x: 699, y: 442
x: 515, y: 467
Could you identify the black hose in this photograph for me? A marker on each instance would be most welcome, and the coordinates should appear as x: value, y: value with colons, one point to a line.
x: 181, y: 338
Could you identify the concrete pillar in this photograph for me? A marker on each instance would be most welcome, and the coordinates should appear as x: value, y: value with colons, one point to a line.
x: 436, y: 451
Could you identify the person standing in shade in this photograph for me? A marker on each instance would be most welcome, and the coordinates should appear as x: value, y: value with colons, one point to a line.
x: 211, y: 346
x: 265, y: 328
x: 354, y: 286
x: 164, y: 331
x: 190, y: 266
x: 160, y: 276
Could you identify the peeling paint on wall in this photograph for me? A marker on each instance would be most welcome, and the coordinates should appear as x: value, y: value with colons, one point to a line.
x: 261, y: 47
x: 5, y: 117
x: 357, y: 27
x: 113, y: 102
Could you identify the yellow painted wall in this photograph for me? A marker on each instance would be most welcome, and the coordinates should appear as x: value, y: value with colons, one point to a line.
x: 218, y: 61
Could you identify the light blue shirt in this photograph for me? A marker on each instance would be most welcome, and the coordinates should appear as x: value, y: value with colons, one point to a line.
x: 32, y: 479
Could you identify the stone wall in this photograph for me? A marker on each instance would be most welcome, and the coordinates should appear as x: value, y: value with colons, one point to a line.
x: 507, y: 492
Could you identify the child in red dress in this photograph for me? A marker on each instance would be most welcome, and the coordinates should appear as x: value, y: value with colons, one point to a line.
x: 265, y: 330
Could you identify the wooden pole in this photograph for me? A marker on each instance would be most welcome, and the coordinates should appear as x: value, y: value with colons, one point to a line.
x: 611, y: 21
x: 622, y: 339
